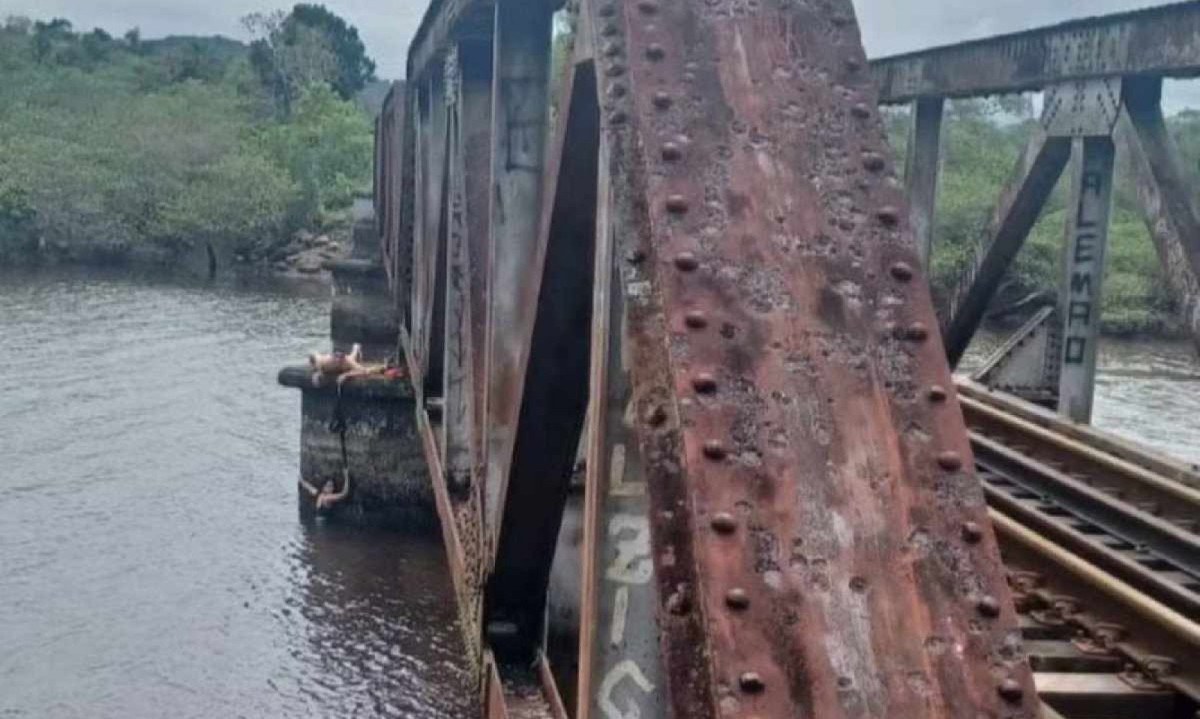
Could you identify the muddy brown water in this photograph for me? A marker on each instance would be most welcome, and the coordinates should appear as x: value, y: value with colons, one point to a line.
x: 151, y: 560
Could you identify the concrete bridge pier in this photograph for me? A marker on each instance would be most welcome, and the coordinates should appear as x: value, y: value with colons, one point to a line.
x: 369, y: 427
x: 363, y: 310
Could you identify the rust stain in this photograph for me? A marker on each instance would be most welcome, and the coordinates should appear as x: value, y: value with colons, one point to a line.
x: 799, y: 407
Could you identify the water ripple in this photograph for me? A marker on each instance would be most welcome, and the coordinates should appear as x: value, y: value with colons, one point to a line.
x: 152, y: 556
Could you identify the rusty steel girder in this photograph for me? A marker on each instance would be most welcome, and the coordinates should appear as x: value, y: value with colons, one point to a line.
x: 708, y: 287
x: 1161, y: 41
x: 813, y: 512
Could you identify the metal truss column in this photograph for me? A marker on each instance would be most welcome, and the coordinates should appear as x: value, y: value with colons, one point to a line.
x: 1166, y: 191
x: 520, y: 120
x: 921, y: 170
x: 1083, y: 276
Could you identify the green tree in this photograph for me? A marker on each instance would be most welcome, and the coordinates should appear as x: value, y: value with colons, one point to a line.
x: 326, y: 147
x: 288, y: 57
x: 306, y: 46
x: 354, y: 68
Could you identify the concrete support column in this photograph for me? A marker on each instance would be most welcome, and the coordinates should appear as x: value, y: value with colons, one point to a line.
x: 1086, y: 244
x: 921, y: 170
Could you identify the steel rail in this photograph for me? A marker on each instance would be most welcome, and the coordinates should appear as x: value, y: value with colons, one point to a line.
x: 1097, y: 645
x: 1169, y: 495
x: 1147, y: 608
x: 1141, y: 552
x: 1090, y: 441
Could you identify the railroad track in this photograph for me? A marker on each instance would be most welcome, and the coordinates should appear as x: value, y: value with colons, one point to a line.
x: 1102, y: 547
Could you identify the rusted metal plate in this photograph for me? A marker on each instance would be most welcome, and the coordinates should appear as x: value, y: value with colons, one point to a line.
x: 810, y: 477
x: 1026, y: 364
x: 1155, y: 41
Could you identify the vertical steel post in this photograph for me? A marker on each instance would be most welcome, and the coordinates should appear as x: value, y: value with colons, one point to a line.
x: 1083, y: 265
x: 921, y: 170
x: 1166, y: 190
x: 520, y: 133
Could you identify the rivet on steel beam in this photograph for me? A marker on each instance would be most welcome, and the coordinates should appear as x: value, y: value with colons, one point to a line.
x: 607, y: 10
x: 615, y: 70
x: 713, y: 449
x: 677, y: 204
x: 858, y: 584
x: 648, y: 7
x: 841, y: 19
x: 612, y: 48
x: 704, y: 383
x: 751, y: 683
x: 617, y: 117
x: 1010, y: 690
x: 696, y: 320
x: 874, y: 162
x: 972, y: 533
x: 671, y: 151
x: 654, y: 51
x: 888, y: 216
x: 853, y: 64
x: 635, y: 256
x: 609, y: 29
x: 655, y: 415
x: 937, y: 393
x: 988, y: 607
x: 723, y: 523
x: 737, y: 599
x: 917, y: 332
x: 686, y: 261
x: 861, y: 111
x: 662, y: 100
x: 950, y: 461
x: 902, y: 271
x: 617, y: 89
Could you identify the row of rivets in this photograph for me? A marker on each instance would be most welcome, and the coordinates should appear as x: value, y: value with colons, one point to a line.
x: 736, y: 599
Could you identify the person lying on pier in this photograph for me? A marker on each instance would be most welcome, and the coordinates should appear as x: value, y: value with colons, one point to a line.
x: 343, y: 366
x: 328, y: 495
x: 335, y: 364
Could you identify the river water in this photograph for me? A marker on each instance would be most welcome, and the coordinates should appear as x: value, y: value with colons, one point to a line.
x: 151, y: 561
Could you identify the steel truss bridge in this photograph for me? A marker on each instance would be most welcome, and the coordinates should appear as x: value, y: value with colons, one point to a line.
x: 686, y: 404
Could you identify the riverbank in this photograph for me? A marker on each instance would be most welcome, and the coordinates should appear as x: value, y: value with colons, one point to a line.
x: 304, y: 255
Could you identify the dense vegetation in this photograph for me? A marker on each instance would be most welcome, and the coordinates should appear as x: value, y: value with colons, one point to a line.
x: 982, y: 141
x: 124, y: 148
x: 116, y: 149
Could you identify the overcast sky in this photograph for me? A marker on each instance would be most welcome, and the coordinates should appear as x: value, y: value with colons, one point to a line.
x: 889, y: 26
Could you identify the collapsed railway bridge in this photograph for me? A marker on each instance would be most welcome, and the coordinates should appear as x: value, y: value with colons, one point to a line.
x: 686, y: 408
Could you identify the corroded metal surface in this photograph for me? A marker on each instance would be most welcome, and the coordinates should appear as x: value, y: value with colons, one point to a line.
x: 1155, y: 41
x: 780, y: 516
x: 799, y: 461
